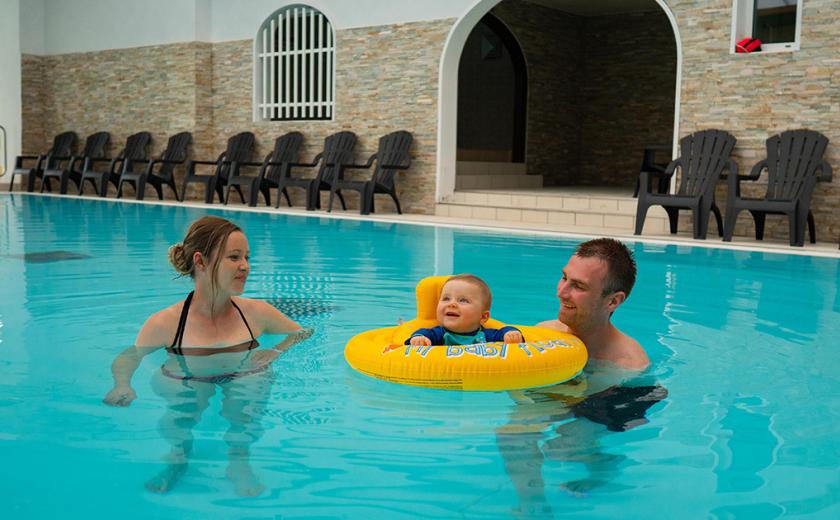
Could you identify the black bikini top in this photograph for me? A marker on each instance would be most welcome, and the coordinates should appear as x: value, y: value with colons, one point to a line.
x: 176, y: 348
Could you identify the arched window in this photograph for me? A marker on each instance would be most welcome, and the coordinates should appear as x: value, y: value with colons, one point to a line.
x: 294, y: 66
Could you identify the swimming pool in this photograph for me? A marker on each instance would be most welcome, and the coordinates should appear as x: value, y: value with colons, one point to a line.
x: 745, y: 344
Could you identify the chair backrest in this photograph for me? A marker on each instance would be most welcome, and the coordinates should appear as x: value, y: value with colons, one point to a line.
x: 135, y: 146
x: 286, y: 148
x: 392, y: 155
x: 135, y: 149
x: 792, y: 158
x: 338, y: 151
x: 240, y: 148
x: 176, y: 150
x: 95, y: 145
x: 704, y: 155
x: 64, y: 145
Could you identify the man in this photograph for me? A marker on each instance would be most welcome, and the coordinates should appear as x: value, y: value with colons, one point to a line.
x: 597, y: 279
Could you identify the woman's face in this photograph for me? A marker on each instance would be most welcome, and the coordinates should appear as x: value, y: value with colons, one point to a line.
x: 234, y: 264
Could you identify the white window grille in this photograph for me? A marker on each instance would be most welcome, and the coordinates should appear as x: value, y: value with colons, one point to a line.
x: 294, y: 69
x: 777, y: 23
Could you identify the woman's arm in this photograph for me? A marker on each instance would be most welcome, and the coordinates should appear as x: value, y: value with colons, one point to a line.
x: 150, y: 338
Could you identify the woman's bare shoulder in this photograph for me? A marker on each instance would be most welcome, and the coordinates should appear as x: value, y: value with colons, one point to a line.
x: 265, y: 317
x: 160, y: 327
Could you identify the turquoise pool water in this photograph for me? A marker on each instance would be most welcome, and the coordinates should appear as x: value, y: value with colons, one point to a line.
x: 744, y: 343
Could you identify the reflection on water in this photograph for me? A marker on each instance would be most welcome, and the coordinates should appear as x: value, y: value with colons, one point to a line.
x: 565, y: 424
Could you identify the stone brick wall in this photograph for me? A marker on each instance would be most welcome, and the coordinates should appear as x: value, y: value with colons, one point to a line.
x: 386, y: 80
x: 757, y: 95
x: 552, y: 48
x: 627, y: 94
x: 599, y: 90
x: 32, y: 92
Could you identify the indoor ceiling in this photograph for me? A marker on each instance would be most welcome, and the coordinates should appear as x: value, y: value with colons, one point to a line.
x: 599, y: 7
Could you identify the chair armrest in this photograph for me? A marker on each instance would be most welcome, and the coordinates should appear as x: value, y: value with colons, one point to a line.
x: 755, y: 172
x: 20, y: 158
x: 363, y: 166
x: 671, y: 168
x: 90, y: 161
x: 192, y: 164
x: 825, y: 172
x: 314, y: 162
x: 120, y: 159
x: 732, y: 167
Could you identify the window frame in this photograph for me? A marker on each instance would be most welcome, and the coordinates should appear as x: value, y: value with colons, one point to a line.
x: 743, y: 12
x: 315, y: 75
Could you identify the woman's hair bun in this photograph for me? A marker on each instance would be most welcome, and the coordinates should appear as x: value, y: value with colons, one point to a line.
x: 178, y: 259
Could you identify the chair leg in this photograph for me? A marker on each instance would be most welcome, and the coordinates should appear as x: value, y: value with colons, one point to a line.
x: 12, y: 181
x: 226, y: 198
x: 266, y: 191
x: 103, y: 188
x: 65, y: 179
x: 241, y: 195
x: 795, y: 231
x: 701, y: 223
x: 30, y: 183
x: 160, y: 189
x: 341, y: 198
x: 729, y: 224
x: 812, y: 232
x: 332, y: 196
x: 759, y: 218
x: 183, y: 190
x: 140, y: 188
x: 641, y: 213
x: 210, y: 191
x: 673, y: 219
x: 718, y: 219
x: 366, y: 200
x: 393, y: 195
x: 313, y: 196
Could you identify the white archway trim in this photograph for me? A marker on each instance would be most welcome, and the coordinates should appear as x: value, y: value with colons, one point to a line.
x: 447, y: 139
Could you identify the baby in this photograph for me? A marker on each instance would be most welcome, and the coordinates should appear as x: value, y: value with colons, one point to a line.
x: 462, y: 310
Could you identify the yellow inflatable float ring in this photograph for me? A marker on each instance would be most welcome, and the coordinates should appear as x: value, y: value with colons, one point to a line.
x: 548, y: 357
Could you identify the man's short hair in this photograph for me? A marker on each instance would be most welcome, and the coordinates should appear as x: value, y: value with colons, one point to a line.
x: 621, y: 268
x: 475, y: 281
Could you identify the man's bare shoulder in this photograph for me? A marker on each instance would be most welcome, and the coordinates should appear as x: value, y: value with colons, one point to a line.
x: 554, y: 325
x: 630, y: 354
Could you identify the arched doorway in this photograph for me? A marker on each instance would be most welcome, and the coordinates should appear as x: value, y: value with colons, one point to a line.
x: 492, y: 95
x: 570, y: 142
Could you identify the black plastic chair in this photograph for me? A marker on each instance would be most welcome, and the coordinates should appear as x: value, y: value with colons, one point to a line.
x: 794, y: 164
x: 274, y: 167
x: 64, y: 145
x: 391, y: 156
x: 337, y: 154
x: 136, y: 146
x: 175, y: 154
x: 240, y: 149
x: 704, y: 155
x: 95, y: 145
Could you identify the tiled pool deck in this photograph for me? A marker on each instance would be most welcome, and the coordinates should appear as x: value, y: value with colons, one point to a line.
x: 821, y: 248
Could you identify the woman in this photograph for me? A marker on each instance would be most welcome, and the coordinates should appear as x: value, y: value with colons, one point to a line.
x: 210, y: 338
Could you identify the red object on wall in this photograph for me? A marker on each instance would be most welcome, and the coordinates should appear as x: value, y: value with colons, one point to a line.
x: 748, y: 45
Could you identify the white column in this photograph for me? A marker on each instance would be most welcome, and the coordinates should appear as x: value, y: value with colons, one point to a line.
x: 10, y: 94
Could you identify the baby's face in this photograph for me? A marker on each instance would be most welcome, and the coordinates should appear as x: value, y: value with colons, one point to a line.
x: 461, y: 308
